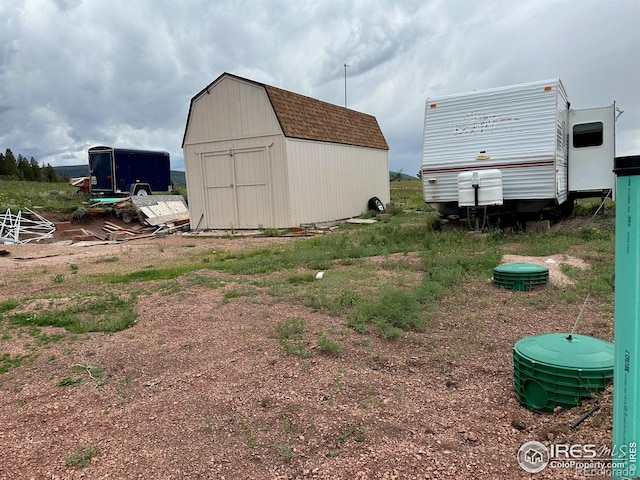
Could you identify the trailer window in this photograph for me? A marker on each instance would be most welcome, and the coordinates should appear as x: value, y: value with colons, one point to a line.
x: 588, y: 134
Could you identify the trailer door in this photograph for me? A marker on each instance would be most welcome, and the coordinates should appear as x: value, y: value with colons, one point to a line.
x: 101, y: 171
x: 591, y: 149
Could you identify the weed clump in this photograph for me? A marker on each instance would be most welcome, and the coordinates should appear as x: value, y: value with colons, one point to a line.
x: 395, y: 312
x: 328, y: 346
x: 82, y: 455
x: 79, y: 215
x: 290, y: 333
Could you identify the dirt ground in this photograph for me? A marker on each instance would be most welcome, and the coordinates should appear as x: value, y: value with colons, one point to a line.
x: 200, y: 388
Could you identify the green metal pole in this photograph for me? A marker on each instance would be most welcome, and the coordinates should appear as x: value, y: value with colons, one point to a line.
x: 626, y: 371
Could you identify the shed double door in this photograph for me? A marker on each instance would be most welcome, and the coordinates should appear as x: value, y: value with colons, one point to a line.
x: 237, y: 188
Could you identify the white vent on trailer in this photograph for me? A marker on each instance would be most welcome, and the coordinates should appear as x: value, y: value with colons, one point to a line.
x: 479, y: 188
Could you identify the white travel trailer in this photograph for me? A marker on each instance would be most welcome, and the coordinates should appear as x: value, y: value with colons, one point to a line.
x: 517, y: 150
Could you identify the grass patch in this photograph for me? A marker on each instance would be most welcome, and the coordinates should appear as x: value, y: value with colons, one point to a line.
x: 70, y: 382
x: 46, y: 339
x: 150, y: 274
x: 96, y: 313
x: 285, y: 451
x: 228, y: 295
x: 203, y: 281
x: 328, y: 346
x: 292, y: 328
x: 357, y: 432
x: 107, y: 260
x: 8, y: 305
x: 321, y: 253
x: 285, y: 422
x: 48, y: 197
x: 82, y: 455
x: 391, y: 314
x: 300, y: 278
x: 290, y: 334
x: 250, y: 436
x: 7, y: 362
x: 94, y: 372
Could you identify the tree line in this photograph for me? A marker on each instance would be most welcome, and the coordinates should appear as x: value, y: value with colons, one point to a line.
x: 22, y: 169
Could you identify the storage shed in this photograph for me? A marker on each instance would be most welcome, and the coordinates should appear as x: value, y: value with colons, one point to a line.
x: 257, y: 156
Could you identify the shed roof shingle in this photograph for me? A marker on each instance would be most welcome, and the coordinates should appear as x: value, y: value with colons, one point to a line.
x: 311, y: 119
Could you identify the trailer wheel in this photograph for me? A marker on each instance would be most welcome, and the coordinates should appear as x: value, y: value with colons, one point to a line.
x: 566, y: 209
x: 141, y: 191
x: 375, y: 204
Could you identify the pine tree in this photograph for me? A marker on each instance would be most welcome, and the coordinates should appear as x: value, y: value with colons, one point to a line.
x: 35, y: 169
x: 10, y: 164
x: 24, y: 169
x: 50, y: 174
x: 3, y: 169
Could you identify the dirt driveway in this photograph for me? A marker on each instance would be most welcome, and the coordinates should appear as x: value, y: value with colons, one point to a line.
x: 200, y: 386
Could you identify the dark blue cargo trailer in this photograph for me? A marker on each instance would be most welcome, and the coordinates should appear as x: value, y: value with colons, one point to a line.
x: 120, y: 171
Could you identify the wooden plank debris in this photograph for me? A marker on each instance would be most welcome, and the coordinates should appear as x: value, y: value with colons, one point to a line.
x: 116, y: 232
x: 37, y: 257
x: 99, y: 236
x: 156, y: 210
x: 164, y: 211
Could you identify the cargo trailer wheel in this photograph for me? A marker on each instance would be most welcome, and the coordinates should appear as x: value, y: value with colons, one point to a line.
x: 142, y: 190
x: 375, y: 204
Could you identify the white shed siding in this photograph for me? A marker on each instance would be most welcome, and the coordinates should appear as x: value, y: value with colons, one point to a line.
x: 247, y: 211
x: 517, y: 126
x: 331, y: 181
x: 232, y: 109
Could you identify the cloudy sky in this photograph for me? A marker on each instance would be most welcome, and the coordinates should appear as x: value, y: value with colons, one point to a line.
x: 78, y: 73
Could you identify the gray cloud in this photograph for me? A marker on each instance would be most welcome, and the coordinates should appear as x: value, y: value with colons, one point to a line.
x: 79, y: 73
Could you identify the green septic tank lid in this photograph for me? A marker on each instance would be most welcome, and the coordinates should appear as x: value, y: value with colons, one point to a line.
x: 520, y: 276
x: 520, y: 268
x: 577, y: 352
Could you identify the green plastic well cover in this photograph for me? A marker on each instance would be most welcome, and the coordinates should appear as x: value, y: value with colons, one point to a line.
x: 580, y: 352
x: 520, y: 268
x: 520, y: 276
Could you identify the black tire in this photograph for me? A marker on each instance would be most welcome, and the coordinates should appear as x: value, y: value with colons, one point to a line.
x: 566, y: 209
x: 375, y: 204
x: 141, y: 190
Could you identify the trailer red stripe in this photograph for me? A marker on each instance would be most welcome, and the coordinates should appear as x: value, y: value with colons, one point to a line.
x: 484, y: 166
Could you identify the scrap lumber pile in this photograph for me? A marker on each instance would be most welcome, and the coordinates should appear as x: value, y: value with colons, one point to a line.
x: 27, y: 228
x: 166, y: 212
x: 107, y: 205
x: 81, y: 183
x: 116, y: 232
